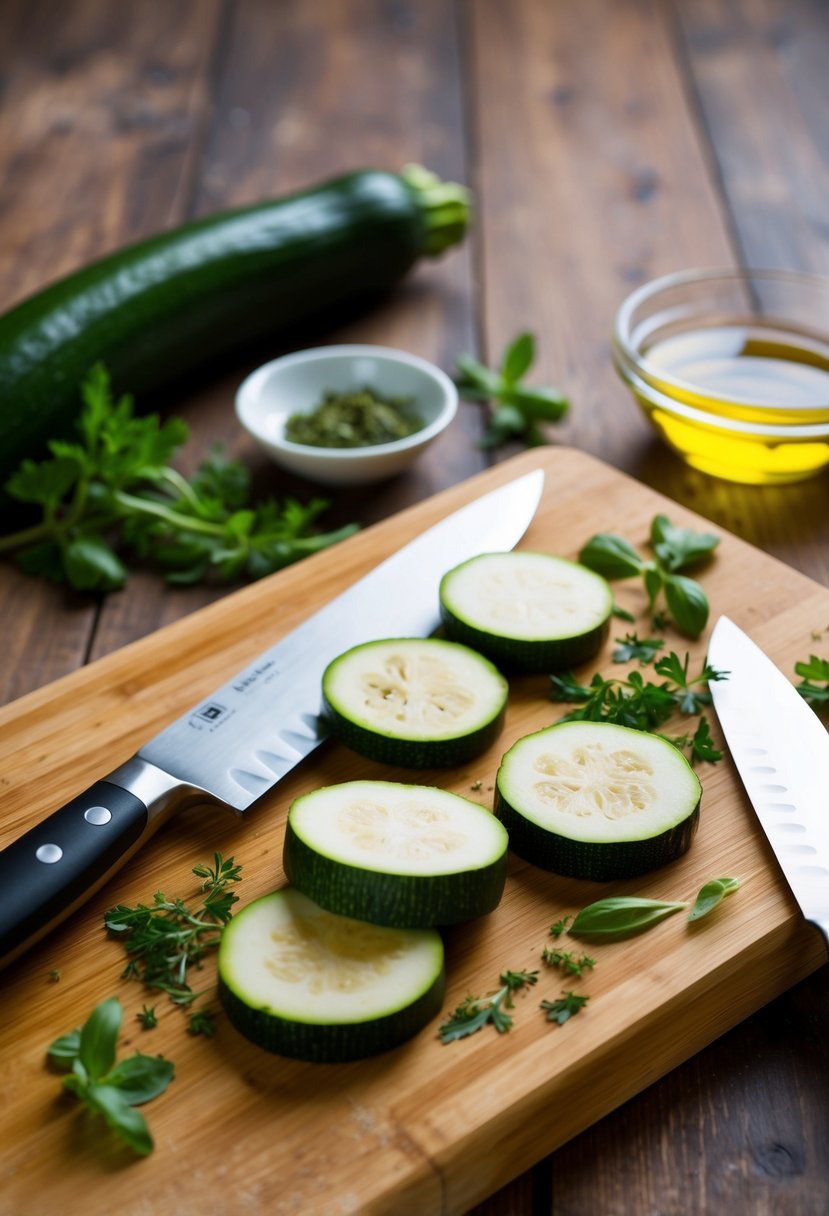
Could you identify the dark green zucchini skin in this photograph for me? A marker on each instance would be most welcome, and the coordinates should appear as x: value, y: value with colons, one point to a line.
x: 411, y: 901
x: 526, y: 655
x: 412, y: 753
x: 595, y: 861
x: 335, y: 1044
x: 161, y: 308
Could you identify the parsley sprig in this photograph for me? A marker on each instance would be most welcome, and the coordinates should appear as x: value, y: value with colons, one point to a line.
x: 675, y: 549
x: 566, y: 961
x: 167, y: 938
x: 519, y: 408
x: 565, y: 1007
x: 475, y: 1012
x: 113, y: 489
x: 111, y: 1089
x: 642, y: 704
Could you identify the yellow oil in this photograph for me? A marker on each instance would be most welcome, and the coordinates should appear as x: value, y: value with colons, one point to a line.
x: 753, y: 377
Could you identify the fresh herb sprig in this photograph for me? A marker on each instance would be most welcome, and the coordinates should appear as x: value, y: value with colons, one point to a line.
x: 519, y: 408
x: 566, y: 961
x: 631, y: 646
x: 475, y: 1012
x: 621, y: 916
x: 814, y: 684
x: 167, y: 938
x: 114, y: 489
x: 642, y: 704
x: 111, y: 1089
x: 565, y: 1007
x: 675, y: 549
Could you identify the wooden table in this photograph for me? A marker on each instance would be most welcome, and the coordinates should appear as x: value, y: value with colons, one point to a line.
x: 605, y: 143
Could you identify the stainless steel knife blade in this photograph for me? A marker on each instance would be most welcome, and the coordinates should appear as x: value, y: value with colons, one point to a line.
x: 237, y: 743
x: 781, y: 751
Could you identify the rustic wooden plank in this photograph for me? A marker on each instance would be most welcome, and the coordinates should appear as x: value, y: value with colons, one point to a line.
x: 97, y: 137
x: 759, y: 70
x: 428, y: 1128
x: 306, y: 92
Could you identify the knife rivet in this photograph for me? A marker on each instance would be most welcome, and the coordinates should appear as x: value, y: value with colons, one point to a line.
x: 97, y: 815
x: 49, y: 853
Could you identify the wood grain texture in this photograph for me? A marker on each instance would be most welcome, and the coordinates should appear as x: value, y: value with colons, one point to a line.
x: 382, y: 1136
x: 133, y: 85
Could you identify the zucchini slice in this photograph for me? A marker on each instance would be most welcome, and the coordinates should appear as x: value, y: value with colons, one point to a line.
x: 302, y: 982
x: 599, y: 801
x: 402, y: 855
x: 529, y: 612
x: 416, y: 702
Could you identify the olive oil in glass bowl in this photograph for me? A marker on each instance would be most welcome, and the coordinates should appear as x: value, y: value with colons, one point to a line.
x: 731, y: 367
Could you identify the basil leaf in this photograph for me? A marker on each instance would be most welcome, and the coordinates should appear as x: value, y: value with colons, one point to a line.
x: 688, y: 604
x: 141, y: 1078
x: 518, y: 357
x: 711, y: 894
x: 544, y: 404
x: 127, y: 1122
x: 678, y: 547
x: 96, y: 1046
x: 620, y: 916
x: 478, y: 376
x: 65, y: 1050
x: 611, y: 556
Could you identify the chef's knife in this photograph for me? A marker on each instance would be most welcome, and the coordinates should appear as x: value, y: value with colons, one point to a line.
x: 781, y: 751
x: 240, y: 740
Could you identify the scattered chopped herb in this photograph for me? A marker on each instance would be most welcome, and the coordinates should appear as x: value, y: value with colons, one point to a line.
x: 358, y: 419
x: 519, y: 408
x: 566, y: 1007
x: 659, y: 622
x: 642, y: 704
x: 559, y: 927
x: 114, y: 489
x: 109, y: 1089
x: 475, y: 1012
x: 622, y: 614
x: 165, y: 939
x: 814, y: 685
x: 712, y: 894
x: 566, y: 961
x: 476, y: 785
x: 147, y: 1017
x: 620, y: 916
x: 54, y: 976
x: 675, y: 549
x: 202, y: 1022
x: 632, y: 647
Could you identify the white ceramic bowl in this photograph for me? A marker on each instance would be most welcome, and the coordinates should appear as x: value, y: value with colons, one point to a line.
x: 296, y: 384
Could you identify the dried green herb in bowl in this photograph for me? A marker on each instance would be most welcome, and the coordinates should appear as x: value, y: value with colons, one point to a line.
x: 357, y: 419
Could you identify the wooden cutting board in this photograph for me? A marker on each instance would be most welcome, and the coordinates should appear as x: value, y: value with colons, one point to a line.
x: 428, y: 1128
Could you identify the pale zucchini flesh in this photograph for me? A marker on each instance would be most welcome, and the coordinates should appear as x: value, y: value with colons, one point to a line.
x: 302, y: 982
x: 595, y: 800
x: 395, y: 854
x: 416, y: 702
x: 526, y: 611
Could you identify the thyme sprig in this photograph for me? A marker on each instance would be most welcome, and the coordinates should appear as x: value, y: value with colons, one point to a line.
x: 166, y: 939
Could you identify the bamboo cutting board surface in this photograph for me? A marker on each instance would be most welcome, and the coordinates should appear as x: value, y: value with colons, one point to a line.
x: 427, y: 1128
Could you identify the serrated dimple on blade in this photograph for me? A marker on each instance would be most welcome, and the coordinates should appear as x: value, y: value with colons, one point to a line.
x: 781, y: 751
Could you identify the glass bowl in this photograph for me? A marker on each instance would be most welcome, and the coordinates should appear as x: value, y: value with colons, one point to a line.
x: 731, y: 368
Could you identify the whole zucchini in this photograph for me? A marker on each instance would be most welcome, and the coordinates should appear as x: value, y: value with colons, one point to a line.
x: 158, y: 309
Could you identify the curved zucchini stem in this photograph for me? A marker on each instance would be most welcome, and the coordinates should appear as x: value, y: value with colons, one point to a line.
x: 446, y: 208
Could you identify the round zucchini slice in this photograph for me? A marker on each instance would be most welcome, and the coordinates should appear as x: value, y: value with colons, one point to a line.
x: 305, y: 983
x: 599, y: 801
x: 416, y: 702
x: 529, y: 612
x: 401, y: 855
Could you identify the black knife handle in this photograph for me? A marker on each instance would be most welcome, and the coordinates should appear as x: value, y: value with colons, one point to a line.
x: 57, y: 864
